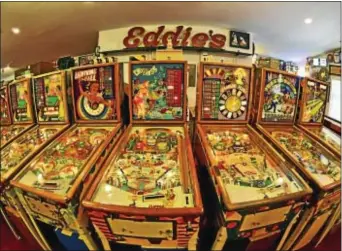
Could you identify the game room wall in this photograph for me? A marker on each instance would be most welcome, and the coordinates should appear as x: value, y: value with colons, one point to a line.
x: 111, y: 41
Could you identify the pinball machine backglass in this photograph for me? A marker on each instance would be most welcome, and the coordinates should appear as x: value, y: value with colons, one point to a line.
x: 246, y: 173
x: 315, y: 163
x: 16, y: 110
x: 150, y: 172
x: 313, y: 102
x: 52, y: 185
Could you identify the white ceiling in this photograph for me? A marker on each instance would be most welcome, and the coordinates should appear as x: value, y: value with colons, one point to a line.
x: 53, y: 29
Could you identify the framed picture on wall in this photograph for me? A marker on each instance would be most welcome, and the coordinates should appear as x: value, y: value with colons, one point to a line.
x: 335, y: 70
x: 192, y: 75
x: 239, y: 40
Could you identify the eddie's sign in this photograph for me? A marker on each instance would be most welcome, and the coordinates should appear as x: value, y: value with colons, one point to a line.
x: 180, y: 36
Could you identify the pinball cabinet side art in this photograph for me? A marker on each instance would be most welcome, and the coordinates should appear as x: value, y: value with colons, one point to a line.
x: 317, y: 165
x: 16, y: 98
x: 21, y: 150
x: 147, y: 195
x: 314, y: 97
x: 53, y: 184
x: 256, y: 192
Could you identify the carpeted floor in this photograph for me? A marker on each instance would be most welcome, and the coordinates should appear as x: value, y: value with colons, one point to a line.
x: 8, y: 242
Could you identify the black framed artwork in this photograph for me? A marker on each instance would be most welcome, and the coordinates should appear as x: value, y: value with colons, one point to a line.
x: 239, y: 40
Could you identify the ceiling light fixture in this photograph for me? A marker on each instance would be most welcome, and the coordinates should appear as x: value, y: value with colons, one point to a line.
x: 15, y: 30
x: 308, y: 20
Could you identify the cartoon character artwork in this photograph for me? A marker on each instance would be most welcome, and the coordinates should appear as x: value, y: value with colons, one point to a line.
x: 94, y: 93
x: 5, y: 117
x: 246, y: 169
x: 50, y: 96
x: 225, y: 92
x: 280, y: 97
x: 157, y: 91
x: 21, y: 101
x: 315, y: 96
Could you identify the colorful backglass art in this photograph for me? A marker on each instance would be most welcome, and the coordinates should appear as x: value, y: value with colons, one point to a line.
x: 157, y: 91
x: 149, y: 171
x: 225, y: 92
x: 247, y: 172
x: 60, y: 163
x: 21, y: 101
x: 50, y: 99
x: 5, y: 116
x: 94, y: 93
x: 323, y: 167
x: 280, y: 97
x: 315, y: 95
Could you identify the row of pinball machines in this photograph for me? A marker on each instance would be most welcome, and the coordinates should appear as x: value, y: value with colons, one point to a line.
x: 88, y: 183
x: 277, y: 183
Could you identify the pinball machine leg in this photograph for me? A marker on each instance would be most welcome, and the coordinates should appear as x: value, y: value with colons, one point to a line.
x: 9, y: 224
x: 104, y: 241
x: 312, y: 230
x: 287, y: 231
x: 330, y: 224
x: 306, y: 217
x: 220, y: 239
x: 29, y: 220
x: 88, y: 241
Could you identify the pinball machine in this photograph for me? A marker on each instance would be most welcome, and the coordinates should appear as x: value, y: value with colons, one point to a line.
x: 276, y: 104
x: 147, y: 194
x: 16, y: 154
x: 252, y: 192
x: 16, y: 110
x: 314, y: 95
x: 53, y: 183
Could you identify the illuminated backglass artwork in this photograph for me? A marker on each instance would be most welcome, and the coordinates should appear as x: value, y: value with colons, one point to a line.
x: 94, y: 93
x: 315, y: 96
x: 225, y: 92
x: 21, y: 102
x: 280, y: 97
x: 49, y: 94
x: 157, y: 91
x: 5, y: 117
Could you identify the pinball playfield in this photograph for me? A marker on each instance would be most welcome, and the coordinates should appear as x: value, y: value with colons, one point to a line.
x: 317, y: 164
x: 246, y: 173
x: 148, y: 171
x: 311, y: 117
x: 147, y: 190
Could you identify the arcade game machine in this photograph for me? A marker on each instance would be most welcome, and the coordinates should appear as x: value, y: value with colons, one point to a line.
x: 311, y: 117
x: 147, y: 195
x: 276, y: 99
x: 53, y: 183
x: 257, y: 192
x: 5, y: 112
x: 17, y: 97
x: 50, y: 93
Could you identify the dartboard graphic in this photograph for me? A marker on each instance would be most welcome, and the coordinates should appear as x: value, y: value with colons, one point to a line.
x: 232, y: 103
x: 88, y: 110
